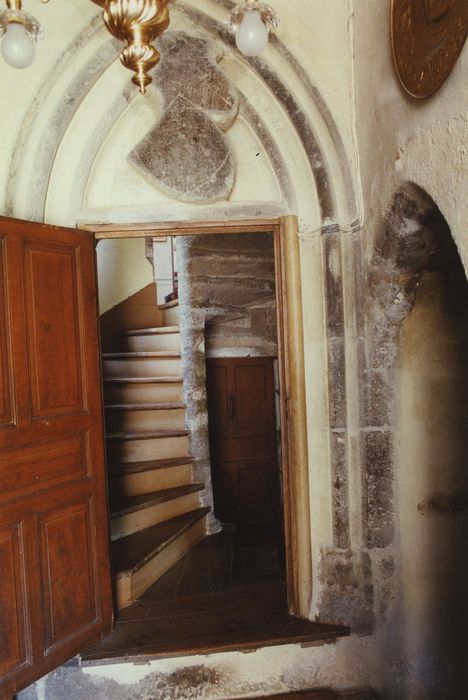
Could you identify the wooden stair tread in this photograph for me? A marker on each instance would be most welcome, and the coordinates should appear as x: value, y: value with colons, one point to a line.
x: 169, y: 305
x: 161, y: 330
x: 131, y: 553
x: 160, y: 406
x: 132, y: 504
x: 148, y: 435
x: 138, y: 467
x: 144, y: 380
x: 140, y: 354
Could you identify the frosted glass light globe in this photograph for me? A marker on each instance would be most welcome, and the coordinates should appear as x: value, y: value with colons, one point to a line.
x: 252, y: 34
x: 17, y: 46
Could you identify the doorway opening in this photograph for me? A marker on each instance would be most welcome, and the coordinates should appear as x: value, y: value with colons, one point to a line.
x: 157, y: 374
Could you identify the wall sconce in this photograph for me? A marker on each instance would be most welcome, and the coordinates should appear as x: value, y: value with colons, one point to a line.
x: 251, y: 23
x: 19, y: 31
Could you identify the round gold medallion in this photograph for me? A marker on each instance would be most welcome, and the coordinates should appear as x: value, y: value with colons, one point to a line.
x: 427, y: 37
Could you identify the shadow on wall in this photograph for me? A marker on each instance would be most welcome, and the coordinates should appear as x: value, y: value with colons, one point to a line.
x: 429, y: 317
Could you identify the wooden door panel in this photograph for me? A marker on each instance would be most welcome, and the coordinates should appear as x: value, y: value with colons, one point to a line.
x: 52, y: 472
x: 68, y: 564
x: 254, y: 396
x: 26, y: 469
x: 54, y: 335
x: 243, y: 446
x: 14, y: 624
x: 217, y: 380
x: 6, y: 399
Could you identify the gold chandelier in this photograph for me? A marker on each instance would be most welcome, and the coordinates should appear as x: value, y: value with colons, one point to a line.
x: 138, y: 23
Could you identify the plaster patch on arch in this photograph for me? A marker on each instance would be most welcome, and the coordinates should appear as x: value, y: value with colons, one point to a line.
x: 185, y: 154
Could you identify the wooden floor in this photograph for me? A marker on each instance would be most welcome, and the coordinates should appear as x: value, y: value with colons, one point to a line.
x: 218, y: 598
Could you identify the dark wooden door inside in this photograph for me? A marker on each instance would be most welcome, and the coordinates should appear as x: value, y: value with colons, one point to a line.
x: 243, y: 446
x: 55, y: 592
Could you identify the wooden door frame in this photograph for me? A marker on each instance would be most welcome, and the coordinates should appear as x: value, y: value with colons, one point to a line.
x: 292, y: 377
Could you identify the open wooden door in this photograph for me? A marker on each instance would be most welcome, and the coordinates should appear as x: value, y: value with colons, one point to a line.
x: 55, y: 586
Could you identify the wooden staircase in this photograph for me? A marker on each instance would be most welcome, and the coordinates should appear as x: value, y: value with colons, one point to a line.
x: 156, y: 517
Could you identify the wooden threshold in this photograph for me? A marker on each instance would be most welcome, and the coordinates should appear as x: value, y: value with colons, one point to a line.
x: 205, y: 606
x: 245, y: 619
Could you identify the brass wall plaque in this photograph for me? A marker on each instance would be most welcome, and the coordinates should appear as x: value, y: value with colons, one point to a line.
x: 427, y: 37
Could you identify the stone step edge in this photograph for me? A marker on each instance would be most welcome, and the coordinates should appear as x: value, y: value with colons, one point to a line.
x: 154, y: 551
x: 133, y: 504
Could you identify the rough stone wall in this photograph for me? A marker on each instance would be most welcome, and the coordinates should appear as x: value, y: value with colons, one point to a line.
x: 360, y: 585
x: 415, y: 261
x: 227, y: 309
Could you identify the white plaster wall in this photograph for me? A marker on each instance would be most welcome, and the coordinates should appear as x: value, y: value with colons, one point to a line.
x: 122, y: 270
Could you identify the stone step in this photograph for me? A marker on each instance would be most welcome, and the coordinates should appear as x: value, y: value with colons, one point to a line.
x: 138, y: 478
x: 146, y: 446
x: 170, y: 313
x: 141, y: 559
x: 130, y: 515
x: 143, y: 389
x: 141, y: 364
x: 153, y: 339
x: 145, y: 417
